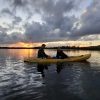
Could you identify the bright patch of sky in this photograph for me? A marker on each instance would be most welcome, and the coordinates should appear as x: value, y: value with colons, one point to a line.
x: 82, y: 7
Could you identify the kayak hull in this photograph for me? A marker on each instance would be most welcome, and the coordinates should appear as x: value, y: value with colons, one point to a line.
x: 53, y: 60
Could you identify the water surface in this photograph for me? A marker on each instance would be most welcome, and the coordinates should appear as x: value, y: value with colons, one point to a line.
x: 64, y: 81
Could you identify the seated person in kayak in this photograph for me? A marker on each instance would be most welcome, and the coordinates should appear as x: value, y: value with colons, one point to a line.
x: 60, y: 54
x: 41, y: 53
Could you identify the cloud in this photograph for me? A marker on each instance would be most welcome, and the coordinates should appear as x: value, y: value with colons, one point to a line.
x: 10, y: 38
x: 54, y: 16
x: 16, y: 20
x: 58, y: 19
x: 15, y: 37
x: 35, y: 31
x: 89, y: 21
x: 11, y: 15
x: 3, y: 37
x: 3, y: 30
x: 90, y: 37
x: 6, y: 11
x: 19, y: 3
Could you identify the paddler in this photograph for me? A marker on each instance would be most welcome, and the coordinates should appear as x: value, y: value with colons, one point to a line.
x: 60, y: 54
x: 41, y: 53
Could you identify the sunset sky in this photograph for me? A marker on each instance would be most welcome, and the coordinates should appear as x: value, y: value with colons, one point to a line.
x: 49, y: 20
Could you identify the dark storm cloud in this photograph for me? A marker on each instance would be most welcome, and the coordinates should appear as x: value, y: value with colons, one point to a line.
x: 15, y: 37
x: 54, y: 15
x: 35, y: 31
x: 11, y: 38
x: 3, y: 37
x: 2, y: 29
x: 19, y: 3
x: 11, y: 15
x: 51, y: 6
x: 56, y: 22
x: 24, y: 6
x: 6, y: 11
x: 90, y: 21
x: 16, y: 20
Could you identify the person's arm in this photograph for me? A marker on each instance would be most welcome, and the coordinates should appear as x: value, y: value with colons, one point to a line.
x: 45, y: 55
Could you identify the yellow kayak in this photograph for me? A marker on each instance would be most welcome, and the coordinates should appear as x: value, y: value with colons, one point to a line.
x: 53, y: 60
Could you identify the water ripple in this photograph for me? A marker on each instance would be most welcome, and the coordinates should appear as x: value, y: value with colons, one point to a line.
x: 16, y: 80
x: 21, y: 81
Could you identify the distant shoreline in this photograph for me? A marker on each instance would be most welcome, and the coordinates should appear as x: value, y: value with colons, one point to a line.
x: 62, y: 47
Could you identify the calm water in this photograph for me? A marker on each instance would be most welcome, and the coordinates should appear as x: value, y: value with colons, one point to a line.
x: 66, y: 81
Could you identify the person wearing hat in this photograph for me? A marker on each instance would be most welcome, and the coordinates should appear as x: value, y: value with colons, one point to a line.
x: 41, y: 53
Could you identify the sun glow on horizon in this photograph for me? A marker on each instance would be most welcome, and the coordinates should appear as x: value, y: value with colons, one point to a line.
x: 23, y: 44
x: 56, y: 43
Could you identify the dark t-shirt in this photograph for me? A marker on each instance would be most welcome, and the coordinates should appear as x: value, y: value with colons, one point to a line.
x: 61, y: 55
x: 42, y: 54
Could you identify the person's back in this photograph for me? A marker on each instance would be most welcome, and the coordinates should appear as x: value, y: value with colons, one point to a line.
x: 41, y: 53
x: 60, y: 54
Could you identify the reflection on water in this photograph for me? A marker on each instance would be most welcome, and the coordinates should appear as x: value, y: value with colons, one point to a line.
x: 59, y: 67
x: 22, y: 53
x: 41, y: 68
x: 61, y: 81
x: 65, y: 82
